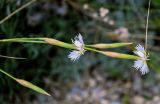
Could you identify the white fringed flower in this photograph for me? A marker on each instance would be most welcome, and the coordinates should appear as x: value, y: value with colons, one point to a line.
x: 79, y: 44
x: 141, y: 64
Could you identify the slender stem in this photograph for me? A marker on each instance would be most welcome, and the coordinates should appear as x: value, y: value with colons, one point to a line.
x: 24, y: 39
x: 31, y: 40
x: 147, y: 25
x: 7, y: 74
x: 91, y: 49
x: 16, y: 11
x: 11, y: 57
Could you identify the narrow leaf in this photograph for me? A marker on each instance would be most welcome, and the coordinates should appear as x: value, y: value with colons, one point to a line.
x: 31, y: 86
x: 58, y: 43
x: 28, y: 40
x: 103, y: 45
x: 119, y: 55
x: 26, y: 83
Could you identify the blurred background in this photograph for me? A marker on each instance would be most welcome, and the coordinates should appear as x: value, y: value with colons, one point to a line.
x: 94, y: 78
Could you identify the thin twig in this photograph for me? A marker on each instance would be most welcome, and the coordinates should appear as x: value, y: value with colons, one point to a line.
x: 16, y: 11
x: 147, y: 25
x: 11, y: 57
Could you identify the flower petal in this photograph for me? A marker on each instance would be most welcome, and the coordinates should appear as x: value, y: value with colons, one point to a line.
x: 78, y: 42
x: 144, y: 69
x: 80, y: 38
x: 139, y: 53
x: 74, y: 55
x: 140, y: 48
x: 138, y: 64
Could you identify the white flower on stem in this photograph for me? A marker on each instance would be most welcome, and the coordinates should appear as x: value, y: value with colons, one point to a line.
x: 141, y: 63
x: 79, y: 45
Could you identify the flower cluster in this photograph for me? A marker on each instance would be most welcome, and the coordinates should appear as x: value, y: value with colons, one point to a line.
x: 139, y: 64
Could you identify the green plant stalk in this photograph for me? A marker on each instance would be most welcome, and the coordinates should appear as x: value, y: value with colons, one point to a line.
x: 7, y: 74
x: 28, y: 40
x: 59, y: 43
x: 114, y: 54
x: 62, y: 44
x: 41, y: 40
x: 113, y: 45
x: 92, y: 49
x: 119, y: 55
x: 55, y: 42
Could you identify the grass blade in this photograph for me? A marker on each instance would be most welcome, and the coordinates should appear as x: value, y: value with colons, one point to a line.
x: 103, y: 45
x: 26, y: 84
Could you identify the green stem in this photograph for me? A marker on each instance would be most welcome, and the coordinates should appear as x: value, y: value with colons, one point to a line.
x: 91, y: 49
x: 29, y: 40
x: 108, y: 45
x: 7, y: 74
x: 113, y: 54
x: 69, y: 46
